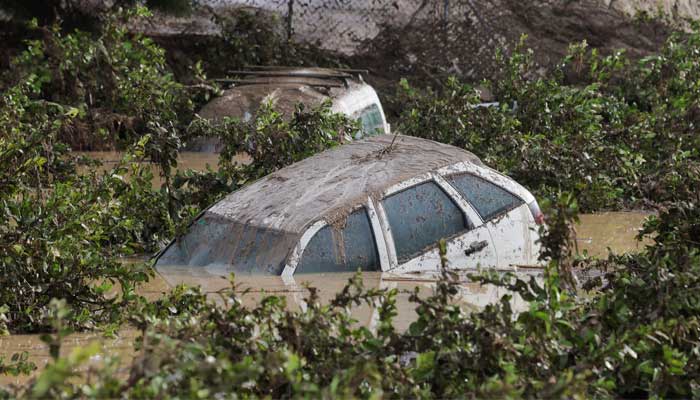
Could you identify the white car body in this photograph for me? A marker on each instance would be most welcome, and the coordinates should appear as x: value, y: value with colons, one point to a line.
x: 358, y: 102
x: 512, y: 239
x: 381, y: 203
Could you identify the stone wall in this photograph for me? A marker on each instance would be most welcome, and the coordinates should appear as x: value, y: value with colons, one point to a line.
x: 674, y: 8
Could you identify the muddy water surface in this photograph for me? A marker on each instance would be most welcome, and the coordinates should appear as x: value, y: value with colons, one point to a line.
x: 250, y: 290
x: 595, y: 235
x: 614, y: 230
x: 121, y: 346
x: 197, y: 161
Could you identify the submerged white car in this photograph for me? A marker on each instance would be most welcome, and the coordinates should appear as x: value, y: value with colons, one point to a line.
x: 377, y: 204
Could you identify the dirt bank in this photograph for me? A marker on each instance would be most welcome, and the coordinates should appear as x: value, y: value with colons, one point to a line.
x: 429, y: 52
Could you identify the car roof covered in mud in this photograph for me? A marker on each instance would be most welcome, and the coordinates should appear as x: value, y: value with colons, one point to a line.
x: 253, y: 229
x: 331, y: 183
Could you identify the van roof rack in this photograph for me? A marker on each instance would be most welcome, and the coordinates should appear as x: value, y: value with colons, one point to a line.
x: 243, y: 82
x: 337, y: 74
x: 354, y: 71
x: 293, y: 74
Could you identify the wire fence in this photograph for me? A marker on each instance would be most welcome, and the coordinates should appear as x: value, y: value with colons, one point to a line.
x: 347, y: 25
x: 433, y: 39
x: 457, y: 35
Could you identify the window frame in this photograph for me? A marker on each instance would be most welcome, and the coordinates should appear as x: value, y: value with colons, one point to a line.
x: 380, y: 223
x: 481, y: 171
x: 467, y: 210
x: 298, y: 250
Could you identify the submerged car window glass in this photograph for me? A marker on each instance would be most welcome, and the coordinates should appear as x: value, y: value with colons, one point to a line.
x: 344, y: 249
x: 371, y: 120
x: 420, y: 216
x: 488, y: 199
x: 217, y: 242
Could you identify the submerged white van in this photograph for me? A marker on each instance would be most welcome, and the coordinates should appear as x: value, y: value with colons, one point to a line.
x: 286, y: 87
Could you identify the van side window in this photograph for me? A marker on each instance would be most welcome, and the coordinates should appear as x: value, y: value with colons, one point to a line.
x: 338, y: 249
x: 371, y: 120
x: 420, y: 216
x: 489, y: 200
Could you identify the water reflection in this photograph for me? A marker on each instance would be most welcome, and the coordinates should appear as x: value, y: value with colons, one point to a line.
x: 197, y: 161
x: 614, y: 230
x: 251, y: 289
x: 595, y: 234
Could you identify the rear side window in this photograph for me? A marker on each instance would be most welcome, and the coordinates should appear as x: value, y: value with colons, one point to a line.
x: 219, y: 243
x: 342, y: 249
x: 420, y: 216
x: 488, y: 199
x: 371, y: 120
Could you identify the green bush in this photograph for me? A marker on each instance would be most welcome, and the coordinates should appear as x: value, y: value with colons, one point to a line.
x: 634, y: 335
x: 117, y: 82
x: 61, y: 231
x: 623, y: 135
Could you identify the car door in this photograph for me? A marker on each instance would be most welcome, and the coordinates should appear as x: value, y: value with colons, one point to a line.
x: 417, y: 213
x: 506, y: 215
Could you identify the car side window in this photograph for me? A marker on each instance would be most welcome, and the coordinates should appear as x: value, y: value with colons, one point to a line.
x: 489, y: 200
x: 371, y: 120
x: 420, y: 216
x: 342, y: 249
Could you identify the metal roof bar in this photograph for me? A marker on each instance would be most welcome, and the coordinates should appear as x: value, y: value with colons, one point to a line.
x: 243, y: 82
x: 282, y: 68
x: 293, y: 74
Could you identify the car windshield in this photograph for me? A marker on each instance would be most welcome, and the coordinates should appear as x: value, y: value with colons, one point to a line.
x: 217, y: 242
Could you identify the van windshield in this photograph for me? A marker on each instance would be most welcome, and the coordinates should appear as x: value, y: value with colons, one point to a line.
x: 371, y: 120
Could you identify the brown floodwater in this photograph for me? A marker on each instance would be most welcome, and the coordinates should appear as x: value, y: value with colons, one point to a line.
x: 595, y: 235
x: 250, y: 290
x: 121, y: 346
x: 614, y: 230
x: 198, y: 161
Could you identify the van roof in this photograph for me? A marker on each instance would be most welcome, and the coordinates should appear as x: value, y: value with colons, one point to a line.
x: 285, y: 87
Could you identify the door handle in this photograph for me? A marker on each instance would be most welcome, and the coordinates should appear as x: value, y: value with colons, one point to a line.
x: 475, y: 247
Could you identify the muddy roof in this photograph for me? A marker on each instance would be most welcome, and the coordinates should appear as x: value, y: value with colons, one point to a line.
x: 252, y: 230
x: 243, y: 102
x: 310, y: 86
x: 331, y: 183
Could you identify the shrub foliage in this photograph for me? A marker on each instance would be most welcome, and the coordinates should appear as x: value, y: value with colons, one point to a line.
x: 614, y: 132
x: 600, y: 132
